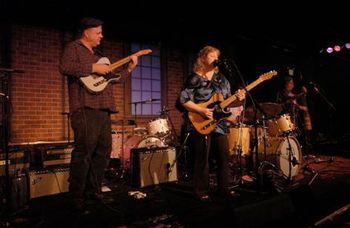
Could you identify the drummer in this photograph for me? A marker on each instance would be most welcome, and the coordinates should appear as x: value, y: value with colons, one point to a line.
x: 236, y: 114
x: 295, y: 104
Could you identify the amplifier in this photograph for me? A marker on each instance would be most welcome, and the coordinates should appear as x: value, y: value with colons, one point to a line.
x: 18, y: 161
x: 57, y: 156
x: 48, y: 182
x: 152, y: 166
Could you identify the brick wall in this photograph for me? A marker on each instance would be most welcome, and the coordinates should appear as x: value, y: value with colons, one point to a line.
x: 36, y: 95
x: 39, y: 96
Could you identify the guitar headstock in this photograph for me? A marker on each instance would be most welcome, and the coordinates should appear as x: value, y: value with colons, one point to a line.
x: 143, y: 52
x: 268, y: 75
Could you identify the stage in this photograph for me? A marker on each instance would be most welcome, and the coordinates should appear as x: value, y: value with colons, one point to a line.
x: 308, y: 201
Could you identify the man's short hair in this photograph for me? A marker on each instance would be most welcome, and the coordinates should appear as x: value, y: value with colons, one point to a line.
x: 89, y: 22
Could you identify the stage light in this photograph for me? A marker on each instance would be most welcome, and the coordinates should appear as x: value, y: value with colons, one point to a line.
x: 347, y: 45
x: 337, y: 48
x: 329, y: 50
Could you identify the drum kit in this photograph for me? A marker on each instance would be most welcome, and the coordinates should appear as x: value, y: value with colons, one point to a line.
x: 272, y: 137
x: 156, y: 134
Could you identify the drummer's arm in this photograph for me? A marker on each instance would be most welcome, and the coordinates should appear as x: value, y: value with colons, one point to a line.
x: 236, y: 114
x: 302, y: 108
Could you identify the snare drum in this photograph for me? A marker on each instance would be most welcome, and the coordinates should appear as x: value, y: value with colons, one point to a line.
x: 280, y: 125
x: 239, y: 137
x: 158, y: 127
x: 140, y: 131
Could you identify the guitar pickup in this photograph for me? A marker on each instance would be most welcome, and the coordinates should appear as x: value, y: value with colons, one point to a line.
x: 209, y: 124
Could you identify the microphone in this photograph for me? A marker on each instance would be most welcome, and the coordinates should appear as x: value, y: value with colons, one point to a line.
x: 295, y: 161
x: 314, y: 85
x: 220, y: 62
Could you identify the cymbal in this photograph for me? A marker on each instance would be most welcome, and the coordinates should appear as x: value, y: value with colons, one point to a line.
x: 271, y: 108
x: 119, y: 132
x: 268, y: 108
x: 123, y: 121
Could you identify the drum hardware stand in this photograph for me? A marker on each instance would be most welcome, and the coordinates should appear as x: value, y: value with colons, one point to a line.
x: 291, y: 159
x: 140, y: 102
x: 164, y: 112
x: 122, y: 160
x: 255, y: 104
x: 122, y: 150
x: 68, y: 125
x: 183, y: 148
x: 239, y: 148
x: 262, y: 164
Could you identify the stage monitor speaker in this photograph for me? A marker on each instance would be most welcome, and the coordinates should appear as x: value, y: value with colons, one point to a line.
x: 265, y: 213
x: 152, y: 166
x: 48, y: 182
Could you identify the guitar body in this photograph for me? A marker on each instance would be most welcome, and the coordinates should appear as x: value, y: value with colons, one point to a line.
x: 96, y: 83
x: 205, y: 126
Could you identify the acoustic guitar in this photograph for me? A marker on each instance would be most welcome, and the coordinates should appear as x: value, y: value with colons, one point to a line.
x: 206, y: 125
x: 96, y: 83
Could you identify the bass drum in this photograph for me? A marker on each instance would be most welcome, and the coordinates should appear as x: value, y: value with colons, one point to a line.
x: 137, y: 141
x: 277, y: 152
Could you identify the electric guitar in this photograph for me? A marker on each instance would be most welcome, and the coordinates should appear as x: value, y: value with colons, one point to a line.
x: 206, y: 125
x: 96, y: 83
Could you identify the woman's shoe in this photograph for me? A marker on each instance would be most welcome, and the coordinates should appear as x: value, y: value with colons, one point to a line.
x: 230, y: 194
x: 204, y: 198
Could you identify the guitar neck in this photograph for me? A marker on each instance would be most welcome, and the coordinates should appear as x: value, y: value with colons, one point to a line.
x: 232, y: 98
x: 125, y: 60
x: 119, y: 63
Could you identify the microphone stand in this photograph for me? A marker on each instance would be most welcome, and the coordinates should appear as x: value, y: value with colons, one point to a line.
x: 331, y: 106
x: 256, y: 107
x: 5, y: 149
x: 323, y: 96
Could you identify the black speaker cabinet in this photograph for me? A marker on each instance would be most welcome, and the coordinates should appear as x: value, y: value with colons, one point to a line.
x: 48, y: 182
x: 152, y: 166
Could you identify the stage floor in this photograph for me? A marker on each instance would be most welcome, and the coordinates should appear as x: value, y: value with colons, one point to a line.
x: 310, y: 198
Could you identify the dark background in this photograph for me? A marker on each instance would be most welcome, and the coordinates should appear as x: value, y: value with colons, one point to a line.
x: 258, y: 37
